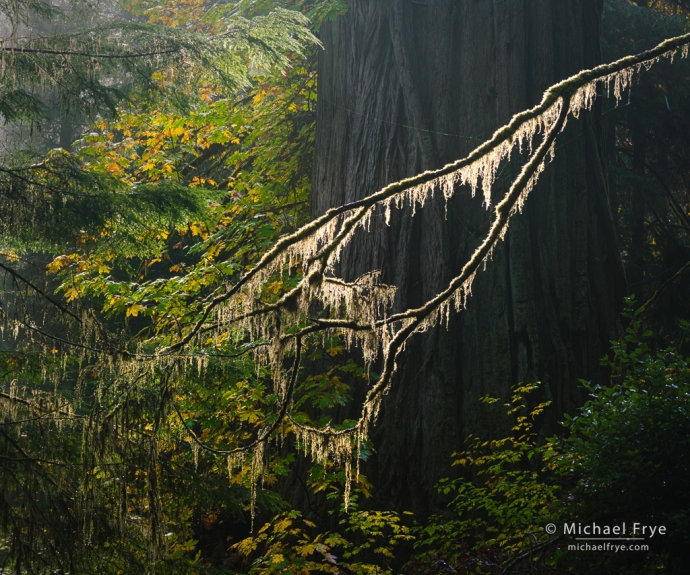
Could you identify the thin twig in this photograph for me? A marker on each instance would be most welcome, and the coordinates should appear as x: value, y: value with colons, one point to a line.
x: 652, y: 300
x: 19, y: 50
x: 15, y: 274
x: 267, y: 431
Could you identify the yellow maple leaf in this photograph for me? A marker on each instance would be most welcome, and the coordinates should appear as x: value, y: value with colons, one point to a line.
x: 57, y: 264
x: 72, y: 294
x: 135, y: 309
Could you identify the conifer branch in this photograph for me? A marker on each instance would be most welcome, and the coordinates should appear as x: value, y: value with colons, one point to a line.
x: 61, y: 414
x: 56, y: 338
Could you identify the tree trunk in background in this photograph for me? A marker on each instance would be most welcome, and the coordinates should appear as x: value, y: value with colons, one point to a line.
x: 410, y: 85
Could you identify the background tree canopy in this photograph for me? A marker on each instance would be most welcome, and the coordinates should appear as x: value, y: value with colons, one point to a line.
x: 241, y: 328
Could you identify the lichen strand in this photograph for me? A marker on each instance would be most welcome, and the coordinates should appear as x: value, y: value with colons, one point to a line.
x: 327, y: 444
x: 365, y: 300
x: 457, y: 301
x: 483, y: 170
x: 234, y: 460
x: 257, y: 472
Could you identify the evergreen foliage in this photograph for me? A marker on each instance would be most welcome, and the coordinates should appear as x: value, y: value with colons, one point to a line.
x: 87, y: 72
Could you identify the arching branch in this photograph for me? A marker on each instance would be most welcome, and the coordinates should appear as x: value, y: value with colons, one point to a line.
x: 580, y: 90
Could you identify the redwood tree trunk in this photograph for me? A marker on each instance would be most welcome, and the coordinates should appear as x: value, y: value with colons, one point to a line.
x: 408, y: 85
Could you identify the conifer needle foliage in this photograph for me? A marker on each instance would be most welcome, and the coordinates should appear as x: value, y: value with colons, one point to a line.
x: 47, y: 67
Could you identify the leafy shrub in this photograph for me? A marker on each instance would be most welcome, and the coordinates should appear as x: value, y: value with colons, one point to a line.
x: 625, y: 457
x: 630, y: 445
x: 291, y: 544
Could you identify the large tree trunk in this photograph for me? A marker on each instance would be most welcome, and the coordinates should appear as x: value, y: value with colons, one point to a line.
x: 408, y: 85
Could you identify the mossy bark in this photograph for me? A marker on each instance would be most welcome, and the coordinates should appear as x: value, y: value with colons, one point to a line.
x: 407, y: 85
